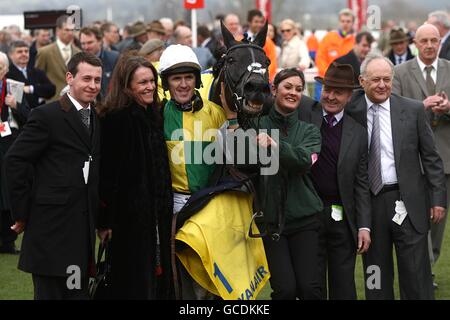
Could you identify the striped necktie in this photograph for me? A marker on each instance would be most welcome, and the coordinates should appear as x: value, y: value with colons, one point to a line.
x: 375, y: 179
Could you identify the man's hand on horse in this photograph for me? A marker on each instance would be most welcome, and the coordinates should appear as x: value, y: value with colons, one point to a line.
x: 265, y: 141
x: 230, y: 114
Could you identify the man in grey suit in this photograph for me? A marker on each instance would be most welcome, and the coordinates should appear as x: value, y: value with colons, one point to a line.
x: 426, y: 78
x: 341, y: 180
x: 403, y: 162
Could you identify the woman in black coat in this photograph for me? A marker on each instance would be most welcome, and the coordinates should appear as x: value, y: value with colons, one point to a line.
x: 135, y: 186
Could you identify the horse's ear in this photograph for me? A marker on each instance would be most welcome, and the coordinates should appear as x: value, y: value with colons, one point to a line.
x: 260, y: 39
x: 228, y: 38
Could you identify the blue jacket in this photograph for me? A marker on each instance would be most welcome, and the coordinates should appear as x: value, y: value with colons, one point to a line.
x: 109, y: 60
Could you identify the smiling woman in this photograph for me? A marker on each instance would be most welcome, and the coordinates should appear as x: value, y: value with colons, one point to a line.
x: 135, y: 185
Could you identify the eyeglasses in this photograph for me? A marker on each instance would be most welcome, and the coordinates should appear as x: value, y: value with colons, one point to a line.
x: 286, y: 30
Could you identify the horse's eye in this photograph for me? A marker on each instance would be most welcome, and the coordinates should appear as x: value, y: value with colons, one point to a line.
x: 230, y: 60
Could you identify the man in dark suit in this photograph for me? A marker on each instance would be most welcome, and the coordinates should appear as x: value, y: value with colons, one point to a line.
x: 441, y: 20
x: 399, y: 42
x: 56, y: 202
x: 37, y: 86
x: 205, y: 39
x: 91, y: 41
x: 340, y: 178
x: 41, y: 39
x: 355, y: 57
x: 406, y: 179
x: 13, y: 115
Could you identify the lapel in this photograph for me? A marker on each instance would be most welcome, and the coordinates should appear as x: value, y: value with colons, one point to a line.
x: 419, y: 77
x: 442, y: 72
x: 359, y: 112
x: 317, y: 115
x: 95, y: 128
x: 74, y: 121
x: 397, y: 126
x: 346, y: 139
x: 17, y: 74
x: 59, y: 61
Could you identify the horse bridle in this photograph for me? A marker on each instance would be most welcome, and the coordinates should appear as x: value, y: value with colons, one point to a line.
x: 254, y: 67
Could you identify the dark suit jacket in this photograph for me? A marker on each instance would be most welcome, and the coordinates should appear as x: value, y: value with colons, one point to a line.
x: 445, y: 50
x: 33, y: 54
x: 43, y: 88
x: 353, y: 181
x: 391, y: 56
x: 417, y: 162
x: 109, y: 60
x: 351, y: 59
x: 58, y: 207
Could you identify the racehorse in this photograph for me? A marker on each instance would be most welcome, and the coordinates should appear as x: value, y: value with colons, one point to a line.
x: 243, y: 68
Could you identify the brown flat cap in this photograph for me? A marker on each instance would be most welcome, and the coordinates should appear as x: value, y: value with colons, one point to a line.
x: 157, y: 27
x: 397, y: 36
x: 137, y: 29
x: 339, y: 76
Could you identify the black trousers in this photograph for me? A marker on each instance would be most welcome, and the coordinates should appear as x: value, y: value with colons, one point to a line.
x: 411, y: 248
x: 55, y: 288
x: 337, y: 258
x: 7, y: 236
x: 293, y: 264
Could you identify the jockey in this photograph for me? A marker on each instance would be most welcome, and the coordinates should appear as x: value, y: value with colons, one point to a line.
x: 186, y: 119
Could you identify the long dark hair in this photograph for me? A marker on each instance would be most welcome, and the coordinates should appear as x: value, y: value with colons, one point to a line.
x: 120, y: 95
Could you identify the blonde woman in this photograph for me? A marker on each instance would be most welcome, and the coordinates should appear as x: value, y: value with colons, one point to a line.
x: 294, y: 52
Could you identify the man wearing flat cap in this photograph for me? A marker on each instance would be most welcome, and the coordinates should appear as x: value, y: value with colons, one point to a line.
x: 400, y: 52
x: 155, y: 30
x: 152, y: 50
x: 137, y: 37
x: 341, y: 180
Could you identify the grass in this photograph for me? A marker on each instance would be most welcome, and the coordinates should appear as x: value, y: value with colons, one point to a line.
x: 17, y: 285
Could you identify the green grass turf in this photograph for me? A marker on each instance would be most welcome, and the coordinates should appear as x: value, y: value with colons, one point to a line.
x: 17, y: 285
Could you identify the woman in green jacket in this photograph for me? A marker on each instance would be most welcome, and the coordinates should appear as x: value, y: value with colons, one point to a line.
x: 290, y: 201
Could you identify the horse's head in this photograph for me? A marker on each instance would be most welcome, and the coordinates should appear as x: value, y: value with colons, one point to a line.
x: 244, y: 70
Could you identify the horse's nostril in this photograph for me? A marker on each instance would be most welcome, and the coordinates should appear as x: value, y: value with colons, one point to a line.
x: 249, y: 87
x: 256, y: 87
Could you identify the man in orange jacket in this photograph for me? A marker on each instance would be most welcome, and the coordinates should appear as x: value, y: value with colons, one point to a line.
x: 335, y: 44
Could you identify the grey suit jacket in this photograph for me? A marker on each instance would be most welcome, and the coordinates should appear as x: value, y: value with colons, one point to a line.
x: 353, y: 181
x: 420, y: 171
x: 409, y: 82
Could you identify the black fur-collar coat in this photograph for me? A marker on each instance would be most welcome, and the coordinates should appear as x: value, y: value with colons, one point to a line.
x: 136, y: 201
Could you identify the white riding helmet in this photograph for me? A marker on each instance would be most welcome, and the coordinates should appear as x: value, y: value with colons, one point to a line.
x: 178, y: 56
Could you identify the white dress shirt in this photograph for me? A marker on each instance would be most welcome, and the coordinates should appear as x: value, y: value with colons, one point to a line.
x: 77, y: 104
x: 388, y: 171
x: 64, y: 49
x: 433, y: 72
x: 403, y: 57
